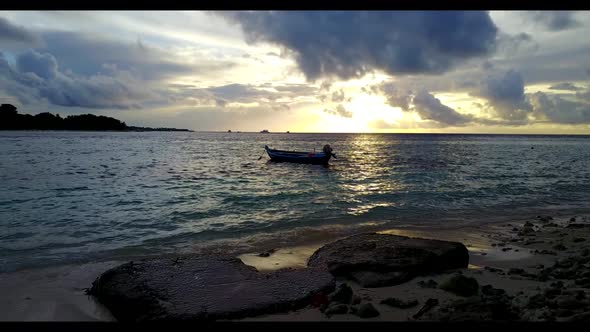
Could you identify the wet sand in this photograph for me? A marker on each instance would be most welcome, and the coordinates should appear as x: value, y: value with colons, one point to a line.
x: 57, y: 294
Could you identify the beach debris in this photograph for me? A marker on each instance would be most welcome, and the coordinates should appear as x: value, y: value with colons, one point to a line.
x: 343, y: 294
x: 204, y: 288
x: 397, y: 303
x: 378, y: 260
x: 367, y: 310
x: 560, y: 247
x: 578, y: 239
x: 460, y: 285
x: 573, y: 219
x: 430, y: 303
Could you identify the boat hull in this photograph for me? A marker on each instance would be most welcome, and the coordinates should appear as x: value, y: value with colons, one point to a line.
x: 312, y: 158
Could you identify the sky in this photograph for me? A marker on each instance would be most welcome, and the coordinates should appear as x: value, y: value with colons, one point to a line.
x: 305, y: 71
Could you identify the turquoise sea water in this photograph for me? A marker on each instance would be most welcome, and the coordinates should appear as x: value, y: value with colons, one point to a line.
x: 79, y: 196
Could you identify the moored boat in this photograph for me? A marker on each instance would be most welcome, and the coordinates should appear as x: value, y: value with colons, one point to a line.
x: 315, y: 158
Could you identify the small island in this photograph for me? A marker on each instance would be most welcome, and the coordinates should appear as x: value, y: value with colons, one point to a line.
x: 10, y: 119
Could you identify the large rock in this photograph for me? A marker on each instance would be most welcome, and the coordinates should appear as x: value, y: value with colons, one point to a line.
x: 377, y: 260
x: 204, y: 288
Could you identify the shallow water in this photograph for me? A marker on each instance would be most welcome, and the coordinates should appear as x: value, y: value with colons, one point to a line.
x: 78, y: 196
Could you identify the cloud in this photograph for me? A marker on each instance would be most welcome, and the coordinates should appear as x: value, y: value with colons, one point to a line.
x: 553, y: 20
x: 431, y: 108
x: 340, y: 111
x: 277, y: 97
x: 423, y: 103
x: 512, y: 45
x: 565, y: 86
x: 349, y: 44
x: 558, y: 110
x: 395, y: 96
x: 504, y: 92
x: 88, y: 54
x: 338, y: 96
x: 15, y: 36
x: 38, y: 77
x: 42, y: 65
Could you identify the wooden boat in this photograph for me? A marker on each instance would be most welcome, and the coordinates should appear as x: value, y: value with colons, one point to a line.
x: 315, y: 158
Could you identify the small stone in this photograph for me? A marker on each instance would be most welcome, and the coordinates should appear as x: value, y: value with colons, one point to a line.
x: 536, y: 301
x: 493, y: 269
x: 336, y: 309
x: 428, y: 284
x: 578, y: 239
x: 559, y: 247
x: 516, y: 271
x: 573, y: 219
x: 547, y: 252
x: 491, y: 291
x: 397, y: 303
x: 460, y: 285
x: 367, y: 310
x: 506, y: 249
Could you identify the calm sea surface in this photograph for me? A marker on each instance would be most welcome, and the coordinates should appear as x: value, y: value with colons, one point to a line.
x: 77, y: 196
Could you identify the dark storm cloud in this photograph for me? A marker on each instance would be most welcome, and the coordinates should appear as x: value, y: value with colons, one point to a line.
x: 12, y: 35
x: 431, y: 108
x: 565, y: 86
x: 38, y: 76
x: 42, y: 65
x: 340, y: 111
x: 504, y: 92
x: 350, y: 44
x: 554, y: 20
x: 559, y: 110
x: 427, y: 106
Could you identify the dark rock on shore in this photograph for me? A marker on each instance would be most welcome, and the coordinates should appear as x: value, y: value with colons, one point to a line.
x: 343, y: 294
x: 479, y: 308
x: 376, y: 260
x: 204, y: 288
x: 367, y: 310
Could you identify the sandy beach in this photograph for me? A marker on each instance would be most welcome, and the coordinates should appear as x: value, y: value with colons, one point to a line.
x: 518, y: 257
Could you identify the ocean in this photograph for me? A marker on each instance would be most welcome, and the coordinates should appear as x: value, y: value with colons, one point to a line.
x: 73, y: 197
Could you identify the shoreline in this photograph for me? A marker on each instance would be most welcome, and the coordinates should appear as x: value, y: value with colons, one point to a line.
x: 57, y: 293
